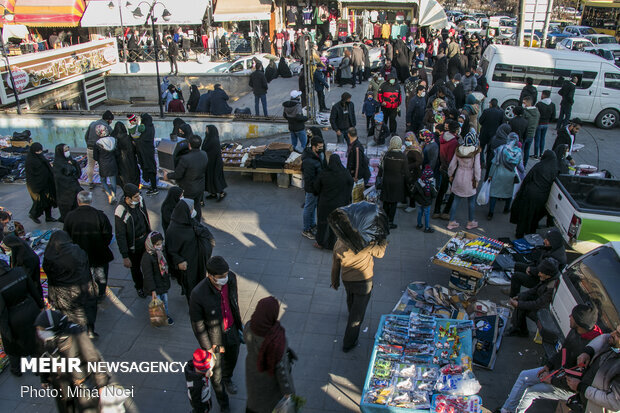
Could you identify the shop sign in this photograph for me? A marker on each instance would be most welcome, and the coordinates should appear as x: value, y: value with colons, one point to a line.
x: 21, y: 79
x: 42, y: 70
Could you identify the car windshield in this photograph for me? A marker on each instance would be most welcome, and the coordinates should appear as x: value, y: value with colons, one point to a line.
x: 587, y: 30
x: 593, y: 278
x: 606, y: 40
x: 221, y: 68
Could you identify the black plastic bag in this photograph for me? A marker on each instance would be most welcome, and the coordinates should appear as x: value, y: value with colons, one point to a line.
x: 21, y: 136
x: 359, y: 225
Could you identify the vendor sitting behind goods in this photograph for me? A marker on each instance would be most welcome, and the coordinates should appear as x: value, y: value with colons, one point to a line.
x: 527, y: 276
x: 529, y: 302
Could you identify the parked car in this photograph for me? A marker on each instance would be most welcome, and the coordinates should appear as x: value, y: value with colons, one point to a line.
x: 591, y: 278
x: 527, y: 37
x: 606, y: 54
x: 336, y: 53
x: 579, y: 31
x: 555, y: 35
x: 242, y: 65
x: 574, y: 43
x: 469, y: 26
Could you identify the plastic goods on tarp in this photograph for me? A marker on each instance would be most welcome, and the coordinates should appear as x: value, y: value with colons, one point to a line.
x: 360, y: 224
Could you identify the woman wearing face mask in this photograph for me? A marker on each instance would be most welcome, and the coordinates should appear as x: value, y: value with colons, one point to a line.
x: 106, y: 154
x: 60, y: 337
x: 40, y: 184
x: 189, y: 245
x: 155, y: 270
x: 67, y: 173
x: 71, y: 288
x: 20, y: 302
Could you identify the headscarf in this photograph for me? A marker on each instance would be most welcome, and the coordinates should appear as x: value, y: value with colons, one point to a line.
x: 101, y: 131
x: 427, y: 136
x: 560, y: 152
x: 501, y: 136
x: 436, y: 103
x: 471, y: 139
x: 335, y: 163
x: 509, y: 154
x: 396, y: 144
x: 264, y: 323
x: 427, y: 179
x: 119, y: 129
x: 415, y: 145
x: 149, y: 244
x: 35, y: 147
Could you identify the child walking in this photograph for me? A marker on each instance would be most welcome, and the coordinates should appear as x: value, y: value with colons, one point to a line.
x: 197, y: 373
x: 424, y: 192
x: 155, y: 270
x: 370, y: 108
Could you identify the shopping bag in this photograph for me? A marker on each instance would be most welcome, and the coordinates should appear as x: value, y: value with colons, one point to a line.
x: 483, y: 195
x: 357, y: 194
x: 286, y: 405
x: 157, y: 313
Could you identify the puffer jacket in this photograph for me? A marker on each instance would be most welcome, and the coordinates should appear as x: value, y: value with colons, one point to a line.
x: 532, y: 116
x: 105, y: 153
x: 600, y: 387
x: 311, y: 166
x: 469, y: 84
x: 205, y: 311
x: 294, y: 115
x: 390, y: 94
x: 465, y: 171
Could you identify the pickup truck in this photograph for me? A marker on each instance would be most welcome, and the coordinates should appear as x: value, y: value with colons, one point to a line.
x: 586, y: 210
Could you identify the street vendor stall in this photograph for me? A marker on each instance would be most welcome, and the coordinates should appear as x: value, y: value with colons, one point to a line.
x: 421, y: 363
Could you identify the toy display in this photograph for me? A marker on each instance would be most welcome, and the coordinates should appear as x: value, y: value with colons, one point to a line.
x: 469, y: 253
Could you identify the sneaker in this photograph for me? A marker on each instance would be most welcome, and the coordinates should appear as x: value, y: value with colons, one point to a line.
x: 445, y: 217
x: 35, y: 219
x: 313, y: 229
x: 393, y: 225
x: 490, y: 216
x: 231, y: 387
x: 140, y: 293
x: 472, y: 225
x: 308, y: 234
x: 419, y: 226
x: 409, y: 210
x: 453, y: 225
x: 436, y: 216
x: 92, y: 335
x: 170, y: 321
x: 152, y: 192
x: 50, y: 219
x: 220, y: 197
x: 429, y: 230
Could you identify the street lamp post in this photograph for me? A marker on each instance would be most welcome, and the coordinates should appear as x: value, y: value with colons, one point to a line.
x: 150, y: 15
x: 120, y: 14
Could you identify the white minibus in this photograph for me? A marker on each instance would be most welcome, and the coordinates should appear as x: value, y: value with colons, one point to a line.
x: 597, y: 94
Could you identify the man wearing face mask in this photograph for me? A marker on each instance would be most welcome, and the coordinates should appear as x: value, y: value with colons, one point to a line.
x: 21, y: 304
x: 456, y: 87
x: 390, y: 99
x: 599, y: 386
x: 216, y: 321
x: 416, y: 110
x: 190, y: 172
x: 132, y: 226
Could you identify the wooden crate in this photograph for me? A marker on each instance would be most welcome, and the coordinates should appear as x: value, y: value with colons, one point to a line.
x: 462, y: 270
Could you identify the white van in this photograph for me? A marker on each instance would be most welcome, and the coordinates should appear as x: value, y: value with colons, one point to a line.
x: 597, y: 95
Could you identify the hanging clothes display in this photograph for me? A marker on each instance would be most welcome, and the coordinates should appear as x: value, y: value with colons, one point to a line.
x: 374, y: 16
x: 307, y: 15
x: 291, y: 15
x: 382, y: 16
x: 377, y: 31
x: 333, y: 28
x: 386, y: 29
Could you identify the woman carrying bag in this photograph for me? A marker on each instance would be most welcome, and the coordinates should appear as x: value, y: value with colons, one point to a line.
x: 502, y: 174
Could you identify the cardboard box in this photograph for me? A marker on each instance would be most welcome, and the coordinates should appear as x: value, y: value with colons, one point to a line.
x: 284, y: 180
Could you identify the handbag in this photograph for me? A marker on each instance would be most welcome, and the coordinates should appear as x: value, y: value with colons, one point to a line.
x: 157, y: 313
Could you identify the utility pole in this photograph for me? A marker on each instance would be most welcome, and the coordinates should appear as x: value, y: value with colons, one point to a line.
x: 309, y: 67
x: 543, y: 41
x: 521, y: 23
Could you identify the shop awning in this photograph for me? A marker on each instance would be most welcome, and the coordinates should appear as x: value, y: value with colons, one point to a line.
x: 183, y: 12
x: 48, y: 13
x: 432, y: 15
x: 242, y: 10
x: 7, y: 5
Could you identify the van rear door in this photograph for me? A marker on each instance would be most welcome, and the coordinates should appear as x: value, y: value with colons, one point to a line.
x: 609, y: 91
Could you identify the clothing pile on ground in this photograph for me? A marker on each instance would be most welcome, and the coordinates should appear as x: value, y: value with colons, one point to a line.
x: 421, y: 362
x: 274, y: 156
x: 13, y: 150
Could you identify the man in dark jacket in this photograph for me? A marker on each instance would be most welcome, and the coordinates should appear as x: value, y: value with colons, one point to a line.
x: 532, y: 116
x: 258, y: 83
x: 416, y: 110
x: 132, y: 226
x: 91, y: 230
x: 455, y: 86
x: 489, y: 121
x: 312, y: 161
x: 293, y: 113
x: 519, y: 124
x: 566, y: 136
x: 546, y: 108
x: 190, y: 173
x: 527, y: 303
x: 91, y: 139
x: 567, y: 91
x: 390, y: 98
x: 440, y: 67
x: 319, y: 87
x: 357, y: 163
x: 342, y: 117
x: 542, y: 383
x: 173, y: 52
x: 217, y: 104
x: 529, y: 90
x: 204, y: 102
x: 216, y: 322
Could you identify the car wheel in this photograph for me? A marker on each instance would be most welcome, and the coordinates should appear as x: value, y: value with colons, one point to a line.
x: 508, y: 107
x: 607, y: 119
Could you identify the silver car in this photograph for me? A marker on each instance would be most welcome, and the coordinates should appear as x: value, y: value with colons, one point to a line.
x: 336, y: 53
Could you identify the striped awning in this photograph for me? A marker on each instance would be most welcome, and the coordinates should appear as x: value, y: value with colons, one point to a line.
x: 7, y: 5
x: 48, y: 13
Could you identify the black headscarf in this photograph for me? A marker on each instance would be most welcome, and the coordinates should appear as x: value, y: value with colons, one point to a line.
x: 501, y: 136
x: 560, y: 153
x: 283, y: 69
x: 335, y: 164
x: 211, y: 140
x: 544, y: 172
x: 64, y: 262
x: 181, y: 214
x: 39, y: 175
x: 119, y: 130
x: 60, y: 161
x: 194, y: 97
x: 171, y: 201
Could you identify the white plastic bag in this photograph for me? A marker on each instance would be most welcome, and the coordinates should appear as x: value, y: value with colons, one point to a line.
x: 484, y: 194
